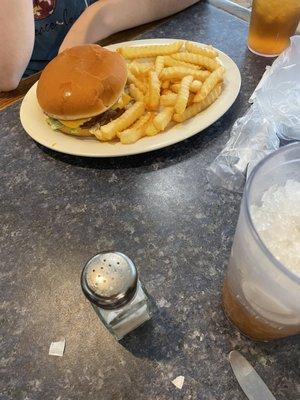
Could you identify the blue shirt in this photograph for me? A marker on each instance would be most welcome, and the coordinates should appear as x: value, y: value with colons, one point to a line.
x: 53, y: 19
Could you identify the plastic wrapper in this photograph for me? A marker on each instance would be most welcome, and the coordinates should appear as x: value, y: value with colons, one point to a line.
x: 274, y: 115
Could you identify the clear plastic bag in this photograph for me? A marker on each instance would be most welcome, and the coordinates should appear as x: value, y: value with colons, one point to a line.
x: 274, y: 115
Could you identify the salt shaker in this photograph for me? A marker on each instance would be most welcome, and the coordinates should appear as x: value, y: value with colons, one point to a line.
x: 110, y: 282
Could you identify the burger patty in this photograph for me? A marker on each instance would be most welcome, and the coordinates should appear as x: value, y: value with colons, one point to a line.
x: 103, y: 118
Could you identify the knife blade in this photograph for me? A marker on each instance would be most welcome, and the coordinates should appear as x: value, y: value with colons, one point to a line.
x: 251, y: 383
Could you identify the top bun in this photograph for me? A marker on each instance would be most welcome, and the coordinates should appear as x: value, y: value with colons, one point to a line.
x: 81, y: 82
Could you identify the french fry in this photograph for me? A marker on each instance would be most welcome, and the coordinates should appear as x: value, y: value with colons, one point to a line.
x: 154, y: 91
x: 150, y: 51
x: 165, y: 84
x: 208, y: 85
x: 175, y: 87
x: 169, y: 99
x: 139, y: 84
x: 130, y: 136
x: 139, y: 68
x: 146, y: 98
x: 144, y: 79
x: 183, y: 94
x: 98, y: 134
x: 197, y: 59
x: 167, y: 91
x: 135, y: 92
x: 159, y: 64
x: 109, y: 131
x: 122, y: 102
x: 136, y: 131
x: 151, y: 130
x: 163, y: 118
x: 140, y: 122
x: 170, y: 84
x: 171, y: 62
x: 207, y: 51
x: 194, y: 109
x: 191, y: 99
x: 194, y: 87
x: 181, y: 72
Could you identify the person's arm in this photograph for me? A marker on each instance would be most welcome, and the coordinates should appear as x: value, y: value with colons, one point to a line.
x: 17, y: 39
x: 106, y: 17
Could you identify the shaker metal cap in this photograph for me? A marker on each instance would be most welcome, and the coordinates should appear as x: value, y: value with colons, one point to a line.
x: 109, y: 280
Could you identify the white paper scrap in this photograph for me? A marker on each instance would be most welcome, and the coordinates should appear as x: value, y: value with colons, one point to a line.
x: 57, y: 348
x: 178, y: 382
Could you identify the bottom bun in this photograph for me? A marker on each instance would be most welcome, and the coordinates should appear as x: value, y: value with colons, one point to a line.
x: 82, y: 132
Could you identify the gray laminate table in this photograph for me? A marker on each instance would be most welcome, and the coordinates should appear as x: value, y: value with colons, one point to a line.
x: 57, y: 211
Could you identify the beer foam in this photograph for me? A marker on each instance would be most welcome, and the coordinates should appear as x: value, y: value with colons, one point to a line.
x: 277, y: 221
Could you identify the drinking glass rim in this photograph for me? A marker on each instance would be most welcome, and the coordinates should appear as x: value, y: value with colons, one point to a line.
x: 255, y: 234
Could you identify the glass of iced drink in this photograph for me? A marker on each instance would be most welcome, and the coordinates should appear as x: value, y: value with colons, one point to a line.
x: 272, y: 24
x: 261, y: 294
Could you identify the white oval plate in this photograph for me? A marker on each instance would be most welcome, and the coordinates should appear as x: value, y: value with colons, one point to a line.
x: 34, y: 121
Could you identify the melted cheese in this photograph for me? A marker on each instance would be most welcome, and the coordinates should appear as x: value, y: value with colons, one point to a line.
x: 123, y: 101
x: 74, y: 124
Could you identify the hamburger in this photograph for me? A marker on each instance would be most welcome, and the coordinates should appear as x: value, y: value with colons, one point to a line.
x: 81, y: 87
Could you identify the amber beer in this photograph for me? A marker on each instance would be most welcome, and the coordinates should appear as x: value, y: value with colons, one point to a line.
x: 249, y: 322
x: 272, y: 24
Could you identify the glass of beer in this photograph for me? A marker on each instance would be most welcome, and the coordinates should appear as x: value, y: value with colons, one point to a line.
x: 261, y: 293
x: 272, y: 24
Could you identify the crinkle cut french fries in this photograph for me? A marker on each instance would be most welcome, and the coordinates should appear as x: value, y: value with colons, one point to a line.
x: 166, y: 83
